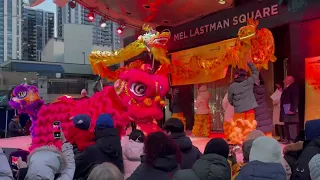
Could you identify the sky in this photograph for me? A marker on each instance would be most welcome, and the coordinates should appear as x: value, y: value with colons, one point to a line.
x: 48, y: 5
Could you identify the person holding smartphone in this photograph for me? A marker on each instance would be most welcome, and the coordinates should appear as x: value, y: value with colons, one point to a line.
x: 48, y: 162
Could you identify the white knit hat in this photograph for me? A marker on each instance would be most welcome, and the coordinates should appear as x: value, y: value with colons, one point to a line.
x: 314, y: 167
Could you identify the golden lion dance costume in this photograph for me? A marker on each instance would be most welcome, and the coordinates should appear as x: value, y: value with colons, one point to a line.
x: 202, y: 120
x: 259, y: 43
x: 260, y: 46
x: 241, y: 125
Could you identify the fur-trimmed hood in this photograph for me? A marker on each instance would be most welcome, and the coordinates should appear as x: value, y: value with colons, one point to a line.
x: 45, y: 162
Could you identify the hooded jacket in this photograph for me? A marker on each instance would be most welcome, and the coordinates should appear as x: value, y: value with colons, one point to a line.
x: 202, y: 101
x: 189, y: 153
x: 46, y: 162
x: 256, y: 170
x: 107, y: 149
x: 5, y: 169
x: 208, y: 167
x: 240, y: 92
x: 132, y: 151
x: 162, y: 169
x: 262, y: 114
x: 264, y: 161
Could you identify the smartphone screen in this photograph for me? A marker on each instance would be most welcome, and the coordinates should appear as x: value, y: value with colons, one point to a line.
x: 14, y: 161
x: 57, y: 129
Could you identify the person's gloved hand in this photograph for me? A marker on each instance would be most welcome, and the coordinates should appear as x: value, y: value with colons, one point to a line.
x: 21, y: 163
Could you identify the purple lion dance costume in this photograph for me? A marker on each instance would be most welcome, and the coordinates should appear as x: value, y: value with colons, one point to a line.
x: 25, y: 99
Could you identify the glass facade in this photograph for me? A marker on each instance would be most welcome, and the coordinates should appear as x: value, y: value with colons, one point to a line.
x: 1, y: 31
x: 9, y: 29
x: 38, y: 29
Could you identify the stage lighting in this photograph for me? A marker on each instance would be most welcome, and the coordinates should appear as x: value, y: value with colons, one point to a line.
x: 91, y: 16
x: 103, y: 23
x: 72, y: 4
x: 120, y: 30
x: 222, y: 2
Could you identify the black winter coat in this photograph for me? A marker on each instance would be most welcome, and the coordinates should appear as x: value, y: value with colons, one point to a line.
x: 189, y: 152
x: 290, y: 95
x: 162, y: 169
x: 15, y: 129
x: 300, y: 170
x: 262, y: 114
x: 107, y: 149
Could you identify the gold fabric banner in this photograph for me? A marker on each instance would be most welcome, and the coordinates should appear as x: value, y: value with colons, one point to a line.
x: 199, y: 65
x: 312, y: 87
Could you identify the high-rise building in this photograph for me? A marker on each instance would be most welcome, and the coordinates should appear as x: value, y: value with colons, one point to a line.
x: 79, y: 15
x: 38, y: 28
x: 10, y: 29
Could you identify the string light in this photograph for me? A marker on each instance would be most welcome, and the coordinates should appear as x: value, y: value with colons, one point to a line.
x: 91, y: 16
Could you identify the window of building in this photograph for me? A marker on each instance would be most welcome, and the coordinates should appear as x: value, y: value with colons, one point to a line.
x: 67, y: 87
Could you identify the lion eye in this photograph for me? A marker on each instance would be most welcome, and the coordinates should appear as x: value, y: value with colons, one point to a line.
x: 138, y: 89
x: 22, y: 94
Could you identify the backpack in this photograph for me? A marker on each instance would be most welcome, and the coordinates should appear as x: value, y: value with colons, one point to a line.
x: 301, y: 169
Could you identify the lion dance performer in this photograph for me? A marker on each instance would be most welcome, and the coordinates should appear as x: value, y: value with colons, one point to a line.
x: 202, y: 119
x: 241, y: 97
x: 25, y: 99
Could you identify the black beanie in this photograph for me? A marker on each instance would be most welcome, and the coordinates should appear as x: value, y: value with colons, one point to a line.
x: 217, y: 146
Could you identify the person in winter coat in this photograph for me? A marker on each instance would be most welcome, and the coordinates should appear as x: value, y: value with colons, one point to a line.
x: 189, y: 153
x: 202, y: 120
x: 105, y: 171
x: 228, y: 115
x: 306, y: 150
x: 107, y: 148
x: 228, y: 108
x: 132, y: 152
x: 241, y: 97
x: 246, y: 148
x: 161, y: 160
x: 278, y: 126
x: 289, y: 104
x: 5, y: 169
x: 240, y: 92
x: 212, y: 165
x: 314, y: 166
x: 262, y: 115
x: 15, y: 128
x: 264, y: 161
x: 176, y: 106
x: 48, y: 162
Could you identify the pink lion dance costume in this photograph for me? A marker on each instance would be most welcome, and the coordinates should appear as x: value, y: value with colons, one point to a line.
x: 135, y: 96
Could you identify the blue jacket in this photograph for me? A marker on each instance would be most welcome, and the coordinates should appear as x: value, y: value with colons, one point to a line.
x: 256, y: 170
